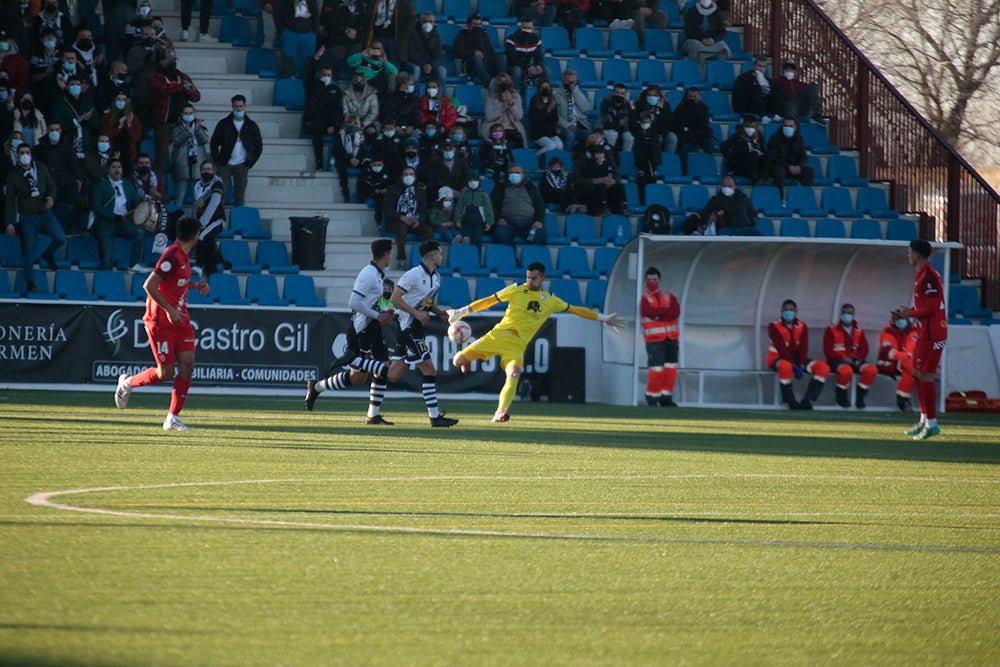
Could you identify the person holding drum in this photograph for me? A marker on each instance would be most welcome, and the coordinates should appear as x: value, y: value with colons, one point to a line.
x: 113, y: 200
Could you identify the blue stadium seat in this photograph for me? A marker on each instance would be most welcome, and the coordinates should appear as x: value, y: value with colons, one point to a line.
x: 767, y: 200
x: 802, y: 200
x: 719, y: 106
x: 814, y: 136
x: 500, y: 259
x: 615, y: 71
x: 554, y: 67
x: 458, y: 10
x: 82, y: 252
x: 555, y: 41
x: 463, y: 260
x: 496, y: 11
x: 10, y: 251
x: 685, y: 73
x: 454, y: 292
x: 660, y: 193
x: 901, y: 229
x: 814, y: 162
x: 765, y: 226
x: 735, y: 42
x: 72, y: 284
x: 604, y: 260
x: 720, y: 73
x: 42, y: 242
x: 245, y: 221
x: 837, y: 200
x: 669, y: 170
x: 488, y: 286
x: 866, y: 228
x: 830, y: 228
x: 41, y: 281
x: 626, y: 165
x: 526, y: 157
x: 272, y: 256
x: 693, y: 197
x: 581, y: 228
x: 616, y: 229
x: 471, y: 95
x: 651, y: 71
x: 424, y: 6
x: 874, y: 202
x: 702, y: 167
x: 225, y: 289
x: 632, y: 200
x: 110, y: 286
x: 448, y: 32
x: 263, y: 290
x: 964, y: 300
x: 660, y: 43
x: 573, y: 262
x: 136, y: 292
x: 237, y: 253
x: 301, y: 291
x: 586, y: 71
x: 536, y: 253
x: 594, y: 297
x: 236, y: 30
x: 843, y: 169
x: 553, y: 230
x: 567, y: 290
x: 590, y: 41
x: 290, y: 94
x: 626, y: 44
x: 795, y: 228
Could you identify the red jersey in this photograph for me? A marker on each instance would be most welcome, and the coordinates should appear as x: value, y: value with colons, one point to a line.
x: 928, y: 304
x: 174, y: 268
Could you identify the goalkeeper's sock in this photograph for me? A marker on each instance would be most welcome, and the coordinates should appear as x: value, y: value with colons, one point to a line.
x: 508, y: 392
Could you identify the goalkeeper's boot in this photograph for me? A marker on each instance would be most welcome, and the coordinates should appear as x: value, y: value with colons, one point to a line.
x: 173, y: 423
x: 859, y: 397
x: 903, y: 403
x: 377, y: 420
x: 501, y: 416
x: 788, y: 396
x: 916, y: 429
x: 311, y: 394
x: 123, y: 392
x: 842, y: 399
x: 928, y: 432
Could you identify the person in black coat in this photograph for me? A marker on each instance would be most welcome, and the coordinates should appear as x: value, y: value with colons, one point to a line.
x: 756, y: 93
x: 324, y: 114
x: 473, y: 48
x: 691, y: 125
x: 652, y: 100
x: 236, y: 146
x: 400, y: 105
x: 598, y: 183
x: 743, y: 151
x: 786, y: 156
x: 732, y: 210
x: 343, y: 26
x: 426, y: 53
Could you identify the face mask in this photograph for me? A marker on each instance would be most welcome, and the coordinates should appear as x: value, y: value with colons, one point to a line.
x: 652, y: 100
x: 27, y: 105
x: 103, y: 146
x: 449, y: 155
x: 390, y: 134
x: 148, y: 41
x: 144, y: 11
x: 706, y: 3
x: 645, y: 126
x: 143, y: 170
x: 409, y: 180
x: 54, y: 137
x: 358, y: 86
x: 119, y: 104
x: 409, y: 88
x: 377, y: 168
x: 652, y: 285
x: 788, y: 75
x: 75, y: 91
x: 49, y: 45
x: 188, y: 118
x: 788, y: 315
x: 902, y: 324
x: 4, y: 46
x: 473, y: 185
x: 69, y: 67
x: 326, y: 80
x: 431, y: 132
x: 788, y: 131
x: 432, y: 92
x: 497, y: 135
x: 411, y: 155
x: 239, y: 114
x: 447, y: 203
x: 846, y: 318
x: 514, y: 178
x: 14, y: 143
x: 24, y: 159
x: 728, y: 191
x: 85, y: 44
x: 750, y: 131
x: 207, y: 177
x: 427, y: 27
x: 457, y: 138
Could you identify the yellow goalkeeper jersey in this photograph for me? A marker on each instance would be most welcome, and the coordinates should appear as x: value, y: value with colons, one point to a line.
x: 527, y: 310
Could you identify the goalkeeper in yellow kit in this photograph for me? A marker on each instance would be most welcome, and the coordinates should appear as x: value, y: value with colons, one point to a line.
x: 528, y: 306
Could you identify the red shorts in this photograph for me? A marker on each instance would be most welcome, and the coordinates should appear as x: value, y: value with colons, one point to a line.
x: 169, y: 340
x: 927, y: 355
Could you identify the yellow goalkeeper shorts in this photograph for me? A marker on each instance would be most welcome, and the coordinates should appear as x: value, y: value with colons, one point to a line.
x: 504, y: 343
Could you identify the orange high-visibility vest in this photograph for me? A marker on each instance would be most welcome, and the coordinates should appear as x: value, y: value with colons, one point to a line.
x: 653, y: 330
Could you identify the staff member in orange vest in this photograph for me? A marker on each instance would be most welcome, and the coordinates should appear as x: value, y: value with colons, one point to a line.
x: 895, y: 354
x: 845, y: 346
x: 788, y: 355
x: 661, y: 332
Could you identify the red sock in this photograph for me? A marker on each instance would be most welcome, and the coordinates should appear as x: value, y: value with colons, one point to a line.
x: 179, y: 394
x: 144, y: 378
x: 928, y: 392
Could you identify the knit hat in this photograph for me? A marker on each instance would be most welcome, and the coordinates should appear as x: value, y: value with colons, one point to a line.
x: 445, y: 191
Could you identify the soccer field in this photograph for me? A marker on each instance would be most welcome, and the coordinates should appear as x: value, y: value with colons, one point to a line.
x: 572, y: 535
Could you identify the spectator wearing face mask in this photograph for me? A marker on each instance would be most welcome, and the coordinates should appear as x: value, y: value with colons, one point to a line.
x: 799, y: 98
x: 473, y: 212
x: 518, y: 210
x: 496, y: 155
x: 757, y: 94
x: 731, y: 209
x: 786, y: 156
x: 449, y: 167
x: 573, y: 108
x: 133, y: 31
x: 647, y: 151
x: 412, y: 159
x: 691, y: 123
x: 598, y: 184
x: 75, y: 113
x: 705, y: 33
x: 170, y: 91
x: 616, y: 111
x: 474, y: 51
x: 113, y: 197
x: 788, y: 356
x: 91, y: 59
x: 405, y: 211
x: 743, y: 151
x: 360, y: 104
x: 28, y: 119
x: 324, y: 112
x: 442, y: 216
x: 43, y: 61
x: 56, y: 151
x: 401, y: 106
x: 437, y: 107
x: 142, y: 61
x: 145, y: 181
x: 389, y: 146
x: 209, y: 191
x: 541, y: 12
x: 50, y: 17
x: 524, y: 55
x: 426, y: 51
x: 187, y: 150
x: 342, y: 27
x: 124, y: 130
x: 373, y: 184
x: 115, y: 83
x: 13, y: 63
x: 29, y: 197
x: 504, y: 107
x: 96, y: 161
x: 557, y: 188
x: 652, y: 101
x: 543, y: 120
x: 236, y: 146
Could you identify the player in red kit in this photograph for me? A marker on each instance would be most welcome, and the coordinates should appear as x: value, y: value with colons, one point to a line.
x: 928, y: 308
x: 168, y: 325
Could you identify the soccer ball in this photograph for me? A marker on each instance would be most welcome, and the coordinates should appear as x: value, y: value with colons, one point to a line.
x: 459, y: 332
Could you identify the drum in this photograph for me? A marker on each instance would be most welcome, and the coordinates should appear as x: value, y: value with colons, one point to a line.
x: 146, y: 215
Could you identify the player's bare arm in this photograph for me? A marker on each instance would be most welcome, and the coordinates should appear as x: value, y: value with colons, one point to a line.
x: 151, y: 287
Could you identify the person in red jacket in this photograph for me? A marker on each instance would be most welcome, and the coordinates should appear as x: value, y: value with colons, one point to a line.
x: 661, y: 332
x: 436, y: 107
x: 928, y: 308
x: 895, y: 354
x: 845, y: 347
x: 788, y: 356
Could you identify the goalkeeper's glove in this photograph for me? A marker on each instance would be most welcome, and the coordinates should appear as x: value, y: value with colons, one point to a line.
x: 612, y: 320
x: 454, y: 315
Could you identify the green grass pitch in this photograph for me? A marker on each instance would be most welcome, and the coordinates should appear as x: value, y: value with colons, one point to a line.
x: 573, y: 535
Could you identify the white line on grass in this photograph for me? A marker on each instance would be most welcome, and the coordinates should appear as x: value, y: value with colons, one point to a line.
x: 43, y: 499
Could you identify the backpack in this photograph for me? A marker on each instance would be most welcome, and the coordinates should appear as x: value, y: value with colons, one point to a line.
x: 656, y: 220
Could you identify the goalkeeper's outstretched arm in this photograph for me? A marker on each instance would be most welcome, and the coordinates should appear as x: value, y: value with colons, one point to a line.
x: 611, y: 319
x: 480, y: 304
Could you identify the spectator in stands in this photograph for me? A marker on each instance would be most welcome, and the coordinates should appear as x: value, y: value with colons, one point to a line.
x: 573, y: 109
x: 90, y: 59
x: 117, y: 82
x: 430, y: 140
x: 187, y: 149
x: 29, y: 197
x: 75, y: 113
x: 557, y: 188
x: 743, y: 151
x: 8, y: 160
x: 442, y: 216
x: 518, y: 210
x: 236, y: 146
x: 342, y: 26
x: 411, y: 158
x: 95, y: 163
x: 731, y: 209
x: 204, y: 16
x: 496, y: 154
x: 124, y: 129
x: 437, y: 107
x: 133, y: 31
x: 146, y: 181
x: 570, y: 14
x: 755, y: 93
x: 616, y: 111
x: 691, y: 123
x: 845, y: 347
x: 28, y: 119
x: 300, y: 21
x: 541, y: 12
x: 543, y: 120
x: 13, y: 63
x: 598, y: 183
x: 647, y: 151
x: 374, y: 65
x: 503, y: 106
x: 45, y: 58
x: 473, y: 212
x: 652, y: 100
x: 461, y: 141
x: 350, y: 150
x: 472, y: 46
x: 896, y: 344
x: 391, y: 22
x: 56, y: 152
x: 426, y: 51
x: 618, y: 13
x: 786, y: 156
x: 524, y: 55
x: 142, y: 61
x: 788, y: 355
x: 49, y: 17
x: 112, y: 200
x: 648, y: 11
x: 449, y: 167
x: 405, y: 211
x: 401, y: 106
x: 360, y: 105
x: 373, y: 183
x: 270, y: 24
x: 47, y: 92
x: 797, y: 97
x: 389, y: 146
x: 705, y: 33
x: 585, y: 150
x: 324, y: 108
x: 170, y: 90
x: 209, y: 192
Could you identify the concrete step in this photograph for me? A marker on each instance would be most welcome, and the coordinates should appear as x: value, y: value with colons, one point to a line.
x: 347, y: 221
x: 219, y: 88
x: 195, y: 59
x: 274, y: 122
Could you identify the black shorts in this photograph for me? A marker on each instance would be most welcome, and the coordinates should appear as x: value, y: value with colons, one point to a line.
x: 367, y: 343
x: 663, y: 352
x: 411, y: 345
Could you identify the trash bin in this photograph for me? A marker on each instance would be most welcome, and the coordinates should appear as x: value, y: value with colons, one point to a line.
x: 309, y: 242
